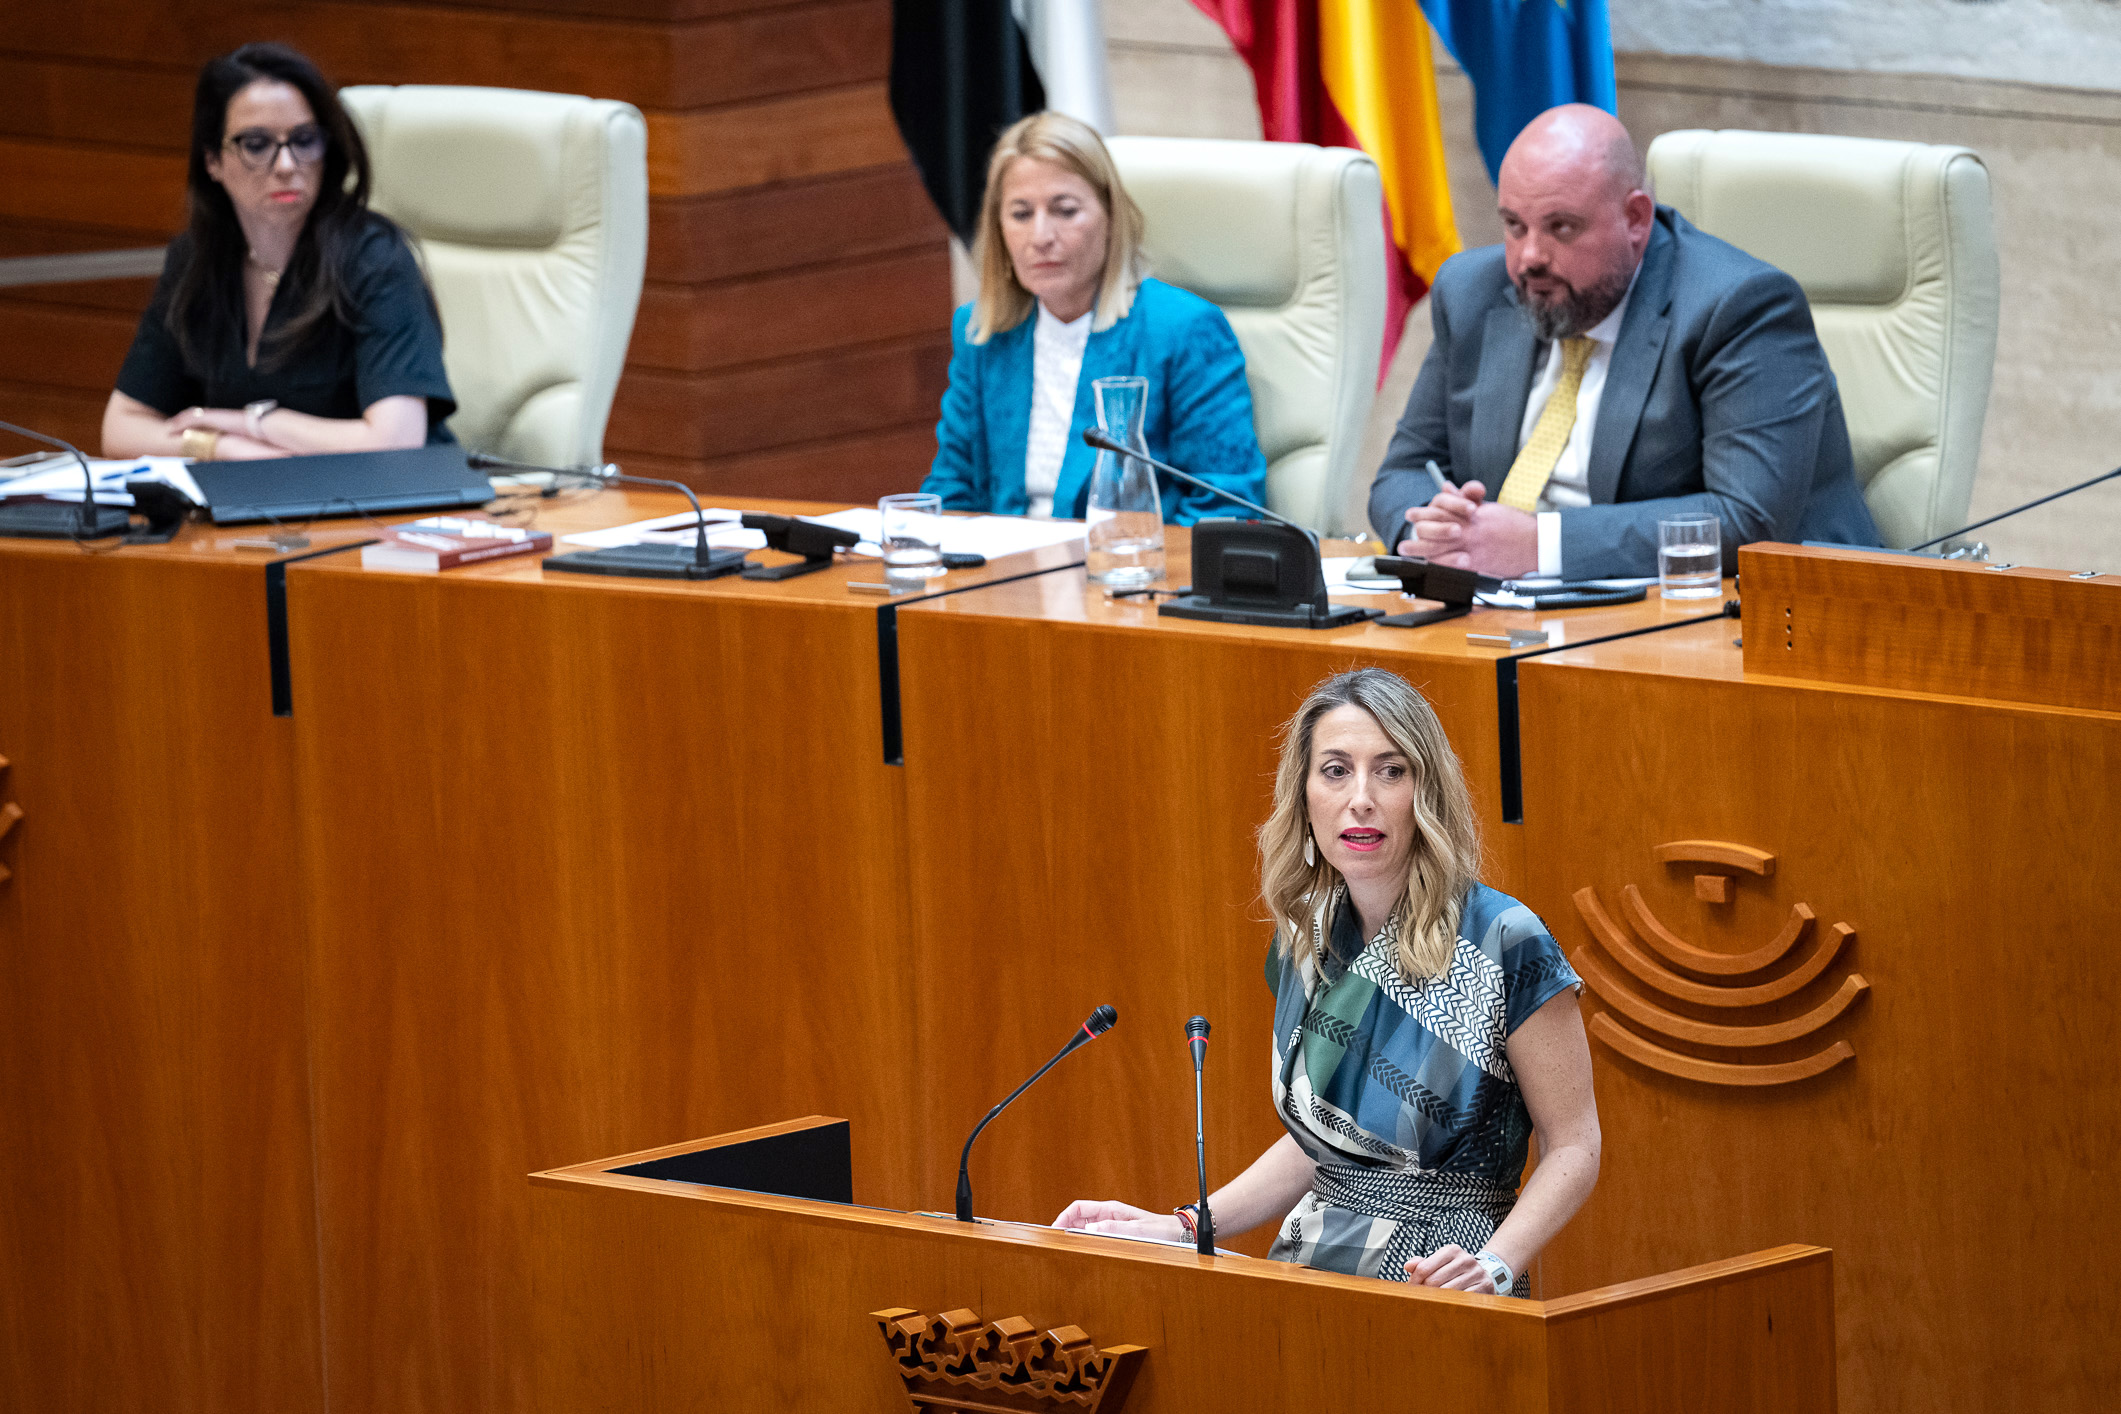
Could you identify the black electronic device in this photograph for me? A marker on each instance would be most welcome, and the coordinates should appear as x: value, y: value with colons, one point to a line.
x: 57, y: 520
x: 165, y: 508
x: 341, y: 484
x: 1203, y: 1220
x: 1423, y: 579
x: 1248, y: 572
x: 1101, y: 1021
x: 698, y: 560
x: 815, y: 543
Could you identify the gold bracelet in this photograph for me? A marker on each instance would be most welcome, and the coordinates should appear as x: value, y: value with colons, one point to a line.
x: 199, y: 443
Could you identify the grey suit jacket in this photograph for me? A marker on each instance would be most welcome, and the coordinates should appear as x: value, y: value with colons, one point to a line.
x: 1718, y: 399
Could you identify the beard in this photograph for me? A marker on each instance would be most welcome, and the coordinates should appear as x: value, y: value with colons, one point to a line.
x: 1573, y: 311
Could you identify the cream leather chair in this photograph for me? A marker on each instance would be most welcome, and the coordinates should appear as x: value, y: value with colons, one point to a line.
x: 1288, y: 239
x: 1893, y: 245
x: 531, y: 212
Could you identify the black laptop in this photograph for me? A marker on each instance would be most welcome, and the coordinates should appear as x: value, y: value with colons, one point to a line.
x: 344, y: 484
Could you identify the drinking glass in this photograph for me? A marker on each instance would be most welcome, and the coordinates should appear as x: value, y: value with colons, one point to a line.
x: 912, y: 535
x: 1125, y: 510
x: 1690, y: 557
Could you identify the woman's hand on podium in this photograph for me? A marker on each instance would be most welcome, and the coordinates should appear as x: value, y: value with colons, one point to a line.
x: 1120, y: 1220
x: 1453, y: 1268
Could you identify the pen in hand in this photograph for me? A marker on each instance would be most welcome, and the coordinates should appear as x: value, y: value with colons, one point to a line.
x: 1437, y: 477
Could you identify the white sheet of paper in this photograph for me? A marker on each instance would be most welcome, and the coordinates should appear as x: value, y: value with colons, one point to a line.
x: 1336, y: 567
x: 992, y: 536
x: 60, y: 479
x: 679, y: 529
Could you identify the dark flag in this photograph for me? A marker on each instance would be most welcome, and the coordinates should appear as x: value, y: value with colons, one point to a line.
x: 960, y: 73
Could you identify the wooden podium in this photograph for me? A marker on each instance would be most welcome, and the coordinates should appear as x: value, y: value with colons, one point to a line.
x: 656, y: 1288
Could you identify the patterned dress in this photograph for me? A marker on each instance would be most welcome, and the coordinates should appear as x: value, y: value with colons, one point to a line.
x: 1404, y: 1095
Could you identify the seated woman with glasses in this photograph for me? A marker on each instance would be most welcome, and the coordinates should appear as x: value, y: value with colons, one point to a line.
x: 290, y: 319
x: 1062, y: 303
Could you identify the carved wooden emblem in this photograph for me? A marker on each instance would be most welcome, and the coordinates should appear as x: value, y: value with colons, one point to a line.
x: 1676, y: 970
x: 957, y: 1362
x: 10, y: 816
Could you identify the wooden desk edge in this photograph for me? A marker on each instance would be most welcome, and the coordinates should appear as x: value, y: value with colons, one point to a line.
x: 597, y: 1175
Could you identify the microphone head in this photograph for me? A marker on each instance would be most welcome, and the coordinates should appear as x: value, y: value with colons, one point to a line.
x: 1101, y: 1021
x: 1197, y: 1029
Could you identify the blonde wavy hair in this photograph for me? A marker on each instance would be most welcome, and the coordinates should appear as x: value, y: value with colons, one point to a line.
x: 1444, y: 863
x: 1074, y: 145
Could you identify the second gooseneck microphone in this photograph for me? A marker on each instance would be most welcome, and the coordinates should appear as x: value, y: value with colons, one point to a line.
x: 1101, y: 1021
x: 1204, y: 1224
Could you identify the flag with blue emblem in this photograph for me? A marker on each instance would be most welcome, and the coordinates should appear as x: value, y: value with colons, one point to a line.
x: 1524, y: 57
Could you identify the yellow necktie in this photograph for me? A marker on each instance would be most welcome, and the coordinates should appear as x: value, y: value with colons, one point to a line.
x: 1535, y: 461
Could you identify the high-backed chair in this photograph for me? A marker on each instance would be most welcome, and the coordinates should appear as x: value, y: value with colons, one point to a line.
x: 1893, y: 245
x: 1288, y: 239
x: 531, y: 212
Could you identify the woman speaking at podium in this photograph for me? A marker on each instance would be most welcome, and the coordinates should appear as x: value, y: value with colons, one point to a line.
x: 1062, y: 303
x: 1425, y: 1025
x: 289, y: 318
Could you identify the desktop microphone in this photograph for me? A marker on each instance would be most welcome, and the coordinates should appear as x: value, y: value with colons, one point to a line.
x: 1246, y: 572
x: 1204, y: 1221
x: 705, y: 564
x: 2051, y: 496
x: 1099, y: 440
x: 1101, y: 1021
x: 91, y: 517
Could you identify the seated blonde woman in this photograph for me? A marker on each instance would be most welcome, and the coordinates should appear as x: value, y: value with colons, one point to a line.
x: 1062, y: 303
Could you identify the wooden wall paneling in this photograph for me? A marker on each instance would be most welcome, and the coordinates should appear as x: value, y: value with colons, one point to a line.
x: 1972, y: 848
x: 860, y: 467
x: 61, y: 347
x: 788, y: 138
x: 772, y: 405
x: 589, y: 864
x: 821, y: 220
x: 72, y: 414
x: 122, y: 189
x: 701, y: 328
x: 145, y: 105
x: 671, y: 65
x: 157, y: 1214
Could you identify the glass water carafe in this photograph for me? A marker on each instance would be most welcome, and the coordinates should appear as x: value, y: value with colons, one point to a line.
x: 1126, y: 511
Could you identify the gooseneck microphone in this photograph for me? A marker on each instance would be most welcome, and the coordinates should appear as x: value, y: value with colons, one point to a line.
x: 642, y: 561
x: 1096, y: 438
x: 92, y: 521
x: 1204, y: 1224
x: 2052, y: 496
x: 1101, y: 1021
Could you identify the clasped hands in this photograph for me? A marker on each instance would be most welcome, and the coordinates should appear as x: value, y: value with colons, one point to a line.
x: 1463, y: 529
x: 1450, y: 1267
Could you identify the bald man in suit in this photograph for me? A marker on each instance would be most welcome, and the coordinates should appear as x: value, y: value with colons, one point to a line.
x: 1607, y: 367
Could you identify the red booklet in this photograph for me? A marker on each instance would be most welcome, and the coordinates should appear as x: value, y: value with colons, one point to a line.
x: 444, y: 542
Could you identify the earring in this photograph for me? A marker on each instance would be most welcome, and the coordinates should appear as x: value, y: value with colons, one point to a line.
x: 1310, y: 855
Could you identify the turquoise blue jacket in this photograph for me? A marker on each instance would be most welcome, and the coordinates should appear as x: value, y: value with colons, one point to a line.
x: 1199, y: 415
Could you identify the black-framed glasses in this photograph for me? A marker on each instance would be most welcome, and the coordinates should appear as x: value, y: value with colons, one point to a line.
x: 259, y: 149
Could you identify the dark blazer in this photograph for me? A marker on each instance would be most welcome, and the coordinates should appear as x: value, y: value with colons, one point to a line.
x: 1199, y: 414
x: 1718, y: 399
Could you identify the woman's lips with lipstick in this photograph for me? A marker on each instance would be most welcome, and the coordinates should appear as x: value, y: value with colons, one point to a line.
x: 1363, y: 840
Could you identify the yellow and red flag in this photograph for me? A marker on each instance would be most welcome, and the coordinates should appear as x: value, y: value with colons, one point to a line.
x: 1357, y: 73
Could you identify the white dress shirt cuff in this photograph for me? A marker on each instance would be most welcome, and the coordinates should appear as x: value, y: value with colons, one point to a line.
x: 1550, y: 544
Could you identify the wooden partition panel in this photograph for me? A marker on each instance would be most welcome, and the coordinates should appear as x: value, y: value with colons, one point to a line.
x: 157, y: 1211
x: 791, y: 248
x: 574, y: 881
x: 1959, y: 861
